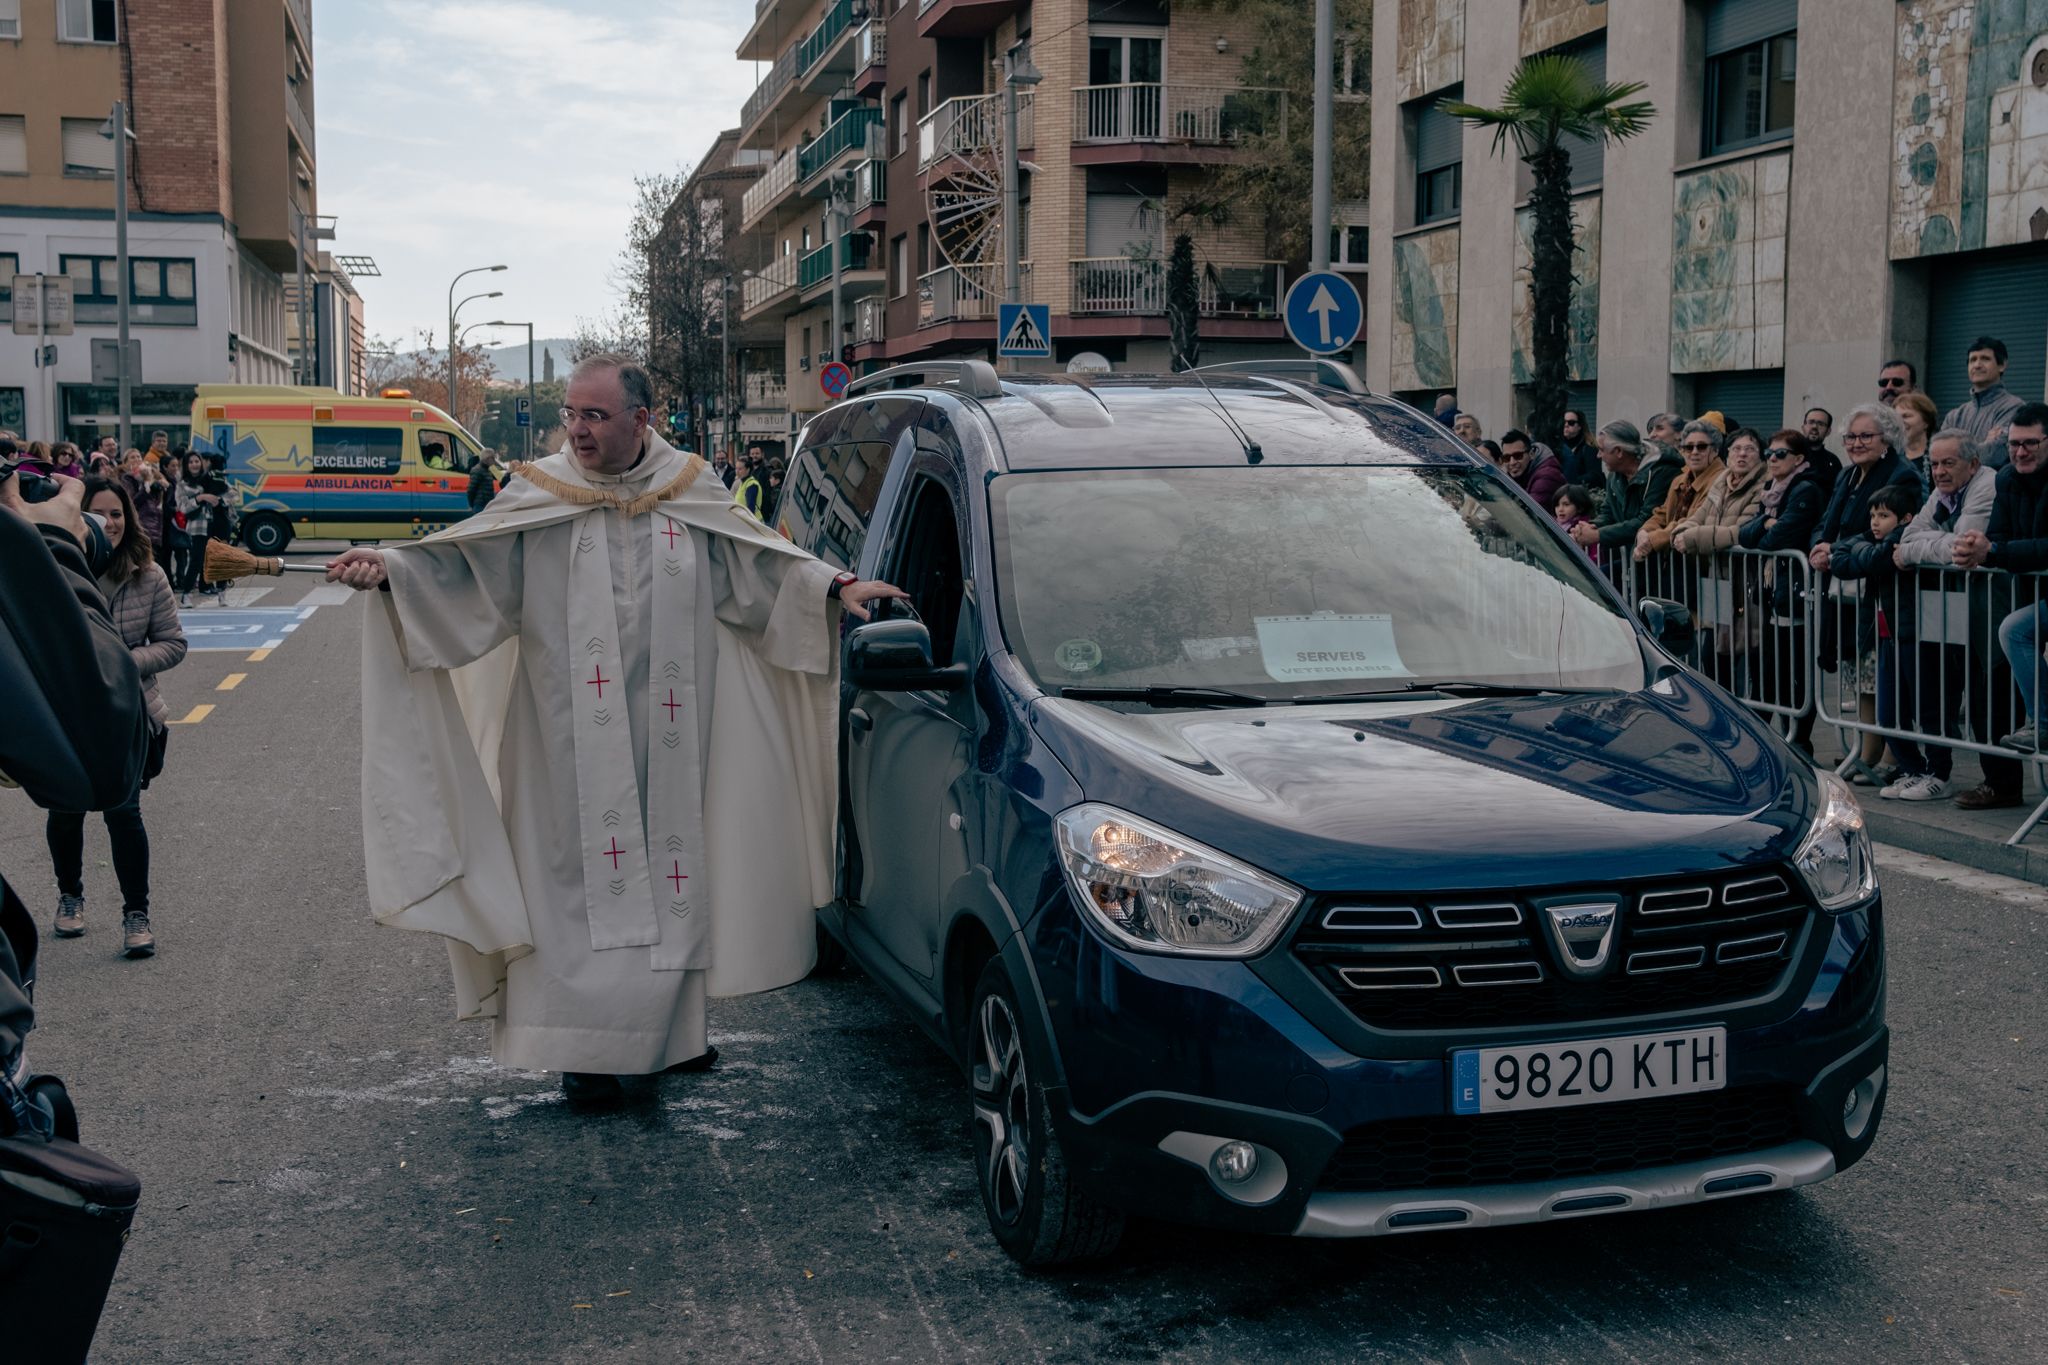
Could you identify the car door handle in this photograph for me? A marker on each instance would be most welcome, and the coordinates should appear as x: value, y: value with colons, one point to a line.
x: 859, y: 721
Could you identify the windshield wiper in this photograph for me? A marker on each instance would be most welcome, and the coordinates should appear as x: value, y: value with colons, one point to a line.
x: 1165, y: 696
x: 1449, y: 686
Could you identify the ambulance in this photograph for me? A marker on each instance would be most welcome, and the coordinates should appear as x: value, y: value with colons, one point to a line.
x: 319, y: 464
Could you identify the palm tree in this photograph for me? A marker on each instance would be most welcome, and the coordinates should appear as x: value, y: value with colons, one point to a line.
x: 1552, y: 97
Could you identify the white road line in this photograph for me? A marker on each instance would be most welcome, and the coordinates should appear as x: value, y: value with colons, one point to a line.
x: 2011, y: 890
x: 271, y: 644
x: 309, y: 611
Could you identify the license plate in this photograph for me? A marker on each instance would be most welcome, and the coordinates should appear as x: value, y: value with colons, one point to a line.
x: 1493, y: 1080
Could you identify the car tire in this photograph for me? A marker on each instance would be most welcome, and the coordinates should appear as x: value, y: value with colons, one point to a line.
x: 1026, y: 1189
x: 266, y: 534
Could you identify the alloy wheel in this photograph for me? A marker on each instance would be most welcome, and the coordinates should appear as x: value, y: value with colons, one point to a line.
x: 1002, y: 1109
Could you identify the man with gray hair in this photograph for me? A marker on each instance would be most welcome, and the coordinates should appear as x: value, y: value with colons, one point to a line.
x: 1932, y: 679
x: 553, y: 691
x: 1637, y: 482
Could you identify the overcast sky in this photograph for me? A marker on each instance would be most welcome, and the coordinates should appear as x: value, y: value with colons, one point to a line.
x: 477, y: 132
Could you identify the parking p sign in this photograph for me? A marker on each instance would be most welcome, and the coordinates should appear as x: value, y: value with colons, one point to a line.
x: 522, y: 411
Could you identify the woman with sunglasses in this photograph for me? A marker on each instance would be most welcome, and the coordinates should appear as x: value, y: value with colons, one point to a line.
x: 1787, y: 513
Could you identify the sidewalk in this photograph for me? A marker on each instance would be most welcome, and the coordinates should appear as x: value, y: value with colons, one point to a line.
x: 1939, y: 829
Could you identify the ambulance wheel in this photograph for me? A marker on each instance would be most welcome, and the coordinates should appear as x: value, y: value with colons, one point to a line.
x: 266, y: 533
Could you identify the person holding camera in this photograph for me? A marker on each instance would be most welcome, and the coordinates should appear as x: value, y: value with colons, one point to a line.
x: 139, y: 599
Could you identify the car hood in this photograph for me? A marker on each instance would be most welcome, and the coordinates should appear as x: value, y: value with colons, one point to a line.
x: 1494, y: 792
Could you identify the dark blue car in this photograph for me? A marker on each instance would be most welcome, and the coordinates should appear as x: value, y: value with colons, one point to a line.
x: 1287, y: 830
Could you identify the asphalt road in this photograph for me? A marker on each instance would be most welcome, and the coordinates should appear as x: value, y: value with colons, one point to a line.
x: 333, y: 1171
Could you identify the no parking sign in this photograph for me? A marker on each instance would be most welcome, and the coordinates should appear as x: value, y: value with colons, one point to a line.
x: 833, y: 377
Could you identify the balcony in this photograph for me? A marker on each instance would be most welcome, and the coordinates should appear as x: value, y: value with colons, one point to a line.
x: 768, y: 286
x: 854, y: 250
x: 767, y: 95
x: 962, y: 293
x: 870, y: 186
x: 963, y: 18
x: 869, y: 315
x: 1117, y: 286
x: 764, y: 194
x: 847, y: 133
x: 967, y: 124
x: 295, y: 114
x: 871, y: 57
x: 824, y: 51
x: 769, y: 391
x: 1169, y: 122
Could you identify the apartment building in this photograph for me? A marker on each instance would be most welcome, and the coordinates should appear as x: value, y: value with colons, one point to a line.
x: 221, y: 196
x: 899, y: 104
x: 1781, y: 229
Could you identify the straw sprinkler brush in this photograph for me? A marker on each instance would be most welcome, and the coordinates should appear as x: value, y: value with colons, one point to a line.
x: 225, y: 562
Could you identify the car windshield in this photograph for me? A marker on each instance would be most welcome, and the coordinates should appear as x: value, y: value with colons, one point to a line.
x: 1293, y: 582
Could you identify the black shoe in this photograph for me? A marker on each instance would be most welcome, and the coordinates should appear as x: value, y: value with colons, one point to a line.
x: 591, y: 1090
x: 701, y: 1062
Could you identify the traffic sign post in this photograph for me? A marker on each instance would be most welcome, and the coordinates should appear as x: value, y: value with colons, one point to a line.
x: 1324, y: 313
x: 522, y: 411
x: 833, y: 377
x: 1024, y: 331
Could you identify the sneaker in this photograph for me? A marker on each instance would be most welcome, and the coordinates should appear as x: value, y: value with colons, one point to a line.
x: 1897, y: 789
x: 1923, y: 787
x: 70, y: 916
x: 136, y: 940
x: 185, y: 600
x: 2024, y: 739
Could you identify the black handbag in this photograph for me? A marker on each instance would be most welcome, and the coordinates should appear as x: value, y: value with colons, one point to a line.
x: 64, y: 1217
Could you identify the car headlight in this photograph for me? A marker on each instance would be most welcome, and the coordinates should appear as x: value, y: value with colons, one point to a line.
x: 1160, y: 893
x: 1834, y: 858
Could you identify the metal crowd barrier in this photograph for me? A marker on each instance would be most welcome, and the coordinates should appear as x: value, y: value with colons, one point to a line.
x: 1912, y: 655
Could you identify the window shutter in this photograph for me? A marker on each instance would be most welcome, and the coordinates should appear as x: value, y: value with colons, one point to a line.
x: 13, y: 144
x: 1439, y: 138
x: 2003, y: 295
x: 1738, y: 23
x: 84, y: 148
x: 1747, y: 398
x: 1589, y: 154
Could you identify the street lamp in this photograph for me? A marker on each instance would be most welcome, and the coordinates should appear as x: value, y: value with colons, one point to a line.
x: 526, y: 432
x: 454, y: 343
x: 452, y: 306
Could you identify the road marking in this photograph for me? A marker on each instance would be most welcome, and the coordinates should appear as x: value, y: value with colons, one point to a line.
x: 231, y: 682
x: 2011, y: 890
x: 257, y: 656
x: 269, y: 645
x: 195, y: 715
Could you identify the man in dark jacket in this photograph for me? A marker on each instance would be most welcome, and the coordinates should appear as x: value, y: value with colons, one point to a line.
x: 2016, y: 541
x: 76, y: 729
x: 1636, y: 484
x: 483, y: 484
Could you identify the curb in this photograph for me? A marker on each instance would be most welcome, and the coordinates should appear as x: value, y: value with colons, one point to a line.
x: 2024, y: 862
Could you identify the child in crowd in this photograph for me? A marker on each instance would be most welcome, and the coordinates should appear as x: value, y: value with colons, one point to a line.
x: 1882, y: 608
x: 1574, y: 506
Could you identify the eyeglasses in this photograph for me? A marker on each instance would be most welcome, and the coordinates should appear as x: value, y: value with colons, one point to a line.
x: 1857, y: 438
x: 2028, y: 444
x: 595, y: 417
x: 1778, y: 453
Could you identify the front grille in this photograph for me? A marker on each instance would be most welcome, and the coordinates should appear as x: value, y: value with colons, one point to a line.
x: 1479, y: 961
x: 1449, y: 1151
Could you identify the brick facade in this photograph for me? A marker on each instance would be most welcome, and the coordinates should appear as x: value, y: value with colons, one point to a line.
x: 176, y: 65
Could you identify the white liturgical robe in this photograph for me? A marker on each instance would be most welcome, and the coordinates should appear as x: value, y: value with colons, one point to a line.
x: 598, y: 758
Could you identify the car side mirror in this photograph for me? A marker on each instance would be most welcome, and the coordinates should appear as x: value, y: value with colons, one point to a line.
x: 1670, y: 622
x: 896, y: 656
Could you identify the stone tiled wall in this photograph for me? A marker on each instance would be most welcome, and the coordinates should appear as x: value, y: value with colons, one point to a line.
x: 1582, y: 356
x: 1728, y: 266
x: 1430, y: 48
x: 1546, y: 23
x: 1970, y: 113
x: 1423, y: 336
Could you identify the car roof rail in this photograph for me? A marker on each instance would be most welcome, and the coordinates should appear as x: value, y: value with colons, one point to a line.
x: 1331, y: 374
x: 976, y: 378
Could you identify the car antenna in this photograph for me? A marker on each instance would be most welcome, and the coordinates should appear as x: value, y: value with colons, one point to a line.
x: 1252, y: 453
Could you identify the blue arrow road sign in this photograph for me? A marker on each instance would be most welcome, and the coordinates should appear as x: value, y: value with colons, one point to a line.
x: 1024, y: 330
x: 1324, y: 313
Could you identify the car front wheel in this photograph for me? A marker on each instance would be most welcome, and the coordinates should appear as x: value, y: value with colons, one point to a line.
x: 1026, y: 1189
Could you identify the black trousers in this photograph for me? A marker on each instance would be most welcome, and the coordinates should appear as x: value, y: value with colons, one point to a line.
x: 195, y: 565
x: 65, y: 831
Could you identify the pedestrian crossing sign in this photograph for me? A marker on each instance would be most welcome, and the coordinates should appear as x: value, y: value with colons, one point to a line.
x: 1024, y: 330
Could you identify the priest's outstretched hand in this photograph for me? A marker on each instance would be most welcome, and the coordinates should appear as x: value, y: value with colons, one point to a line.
x: 855, y: 596
x: 361, y: 569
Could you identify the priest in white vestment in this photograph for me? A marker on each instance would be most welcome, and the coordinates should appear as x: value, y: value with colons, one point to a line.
x: 581, y: 708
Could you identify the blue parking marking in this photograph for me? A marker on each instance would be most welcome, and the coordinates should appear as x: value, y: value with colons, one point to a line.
x: 239, y: 627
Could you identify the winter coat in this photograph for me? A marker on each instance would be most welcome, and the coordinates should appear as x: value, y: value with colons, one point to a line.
x: 1930, y: 539
x: 1581, y: 462
x: 1543, y: 476
x: 1630, y: 501
x: 1716, y: 524
x: 150, y: 497
x: 1592, y: 551
x: 1797, y: 517
x: 1870, y: 561
x: 2019, y: 521
x: 1848, y: 511
x: 201, y: 518
x: 146, y: 615
x: 1681, y: 500
x: 482, y: 486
